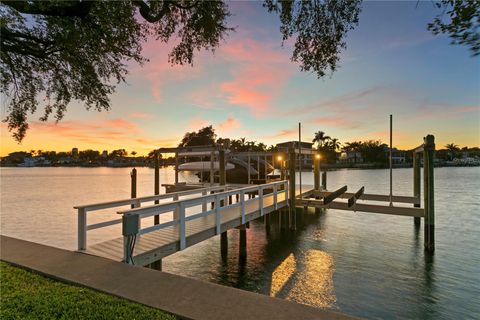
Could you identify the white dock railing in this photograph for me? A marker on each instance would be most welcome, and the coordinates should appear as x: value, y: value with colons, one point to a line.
x: 136, y: 202
x: 180, y: 206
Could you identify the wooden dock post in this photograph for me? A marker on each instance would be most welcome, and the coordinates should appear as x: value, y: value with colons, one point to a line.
x: 223, y: 181
x: 316, y: 176
x: 324, y: 180
x: 212, y: 159
x: 248, y: 170
x: 156, y: 218
x: 133, y: 185
x: 266, y: 221
x: 176, y: 168
x: 416, y: 184
x: 157, y: 265
x: 292, y: 196
x: 429, y: 223
x: 242, y: 248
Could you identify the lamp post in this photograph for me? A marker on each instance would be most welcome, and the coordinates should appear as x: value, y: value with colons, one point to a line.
x: 280, y: 161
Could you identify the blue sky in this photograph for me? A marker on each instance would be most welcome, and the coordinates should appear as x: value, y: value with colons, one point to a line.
x: 249, y: 88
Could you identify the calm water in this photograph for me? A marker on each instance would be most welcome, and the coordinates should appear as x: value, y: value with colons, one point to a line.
x: 368, y: 265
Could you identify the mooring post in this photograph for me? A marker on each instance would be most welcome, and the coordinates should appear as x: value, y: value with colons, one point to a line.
x: 242, y: 248
x: 266, y: 221
x: 416, y: 184
x: 316, y: 176
x: 156, y: 218
x: 248, y: 169
x: 258, y: 167
x: 133, y: 185
x: 157, y: 265
x: 212, y: 159
x: 176, y: 168
x: 223, y: 181
x: 429, y: 223
x: 292, y: 196
x: 324, y: 180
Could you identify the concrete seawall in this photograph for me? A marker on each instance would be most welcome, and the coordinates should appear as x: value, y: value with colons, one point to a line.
x: 184, y: 297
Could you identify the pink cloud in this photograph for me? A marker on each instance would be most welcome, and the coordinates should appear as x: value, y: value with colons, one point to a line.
x: 198, y: 123
x: 259, y: 72
x: 284, y: 134
x: 159, y: 72
x: 229, y: 125
x: 141, y: 115
x: 93, y: 131
x: 347, y: 103
x: 336, y: 121
x: 116, y: 133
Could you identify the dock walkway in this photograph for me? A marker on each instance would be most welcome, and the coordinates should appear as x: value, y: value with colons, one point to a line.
x: 230, y: 207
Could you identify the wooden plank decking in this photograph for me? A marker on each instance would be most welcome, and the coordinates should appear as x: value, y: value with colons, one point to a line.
x: 161, y: 243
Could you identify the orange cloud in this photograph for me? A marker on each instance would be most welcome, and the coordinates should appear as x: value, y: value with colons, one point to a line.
x: 229, y: 125
x: 100, y: 134
x: 336, y: 121
x: 141, y: 115
x: 283, y: 134
x: 259, y: 73
x: 197, y: 123
x: 159, y: 72
x: 89, y: 131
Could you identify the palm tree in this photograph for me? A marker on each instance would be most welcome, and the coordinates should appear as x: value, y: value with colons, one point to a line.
x: 452, y: 149
x: 133, y: 153
x: 334, y: 144
x: 352, y: 146
x: 320, y: 138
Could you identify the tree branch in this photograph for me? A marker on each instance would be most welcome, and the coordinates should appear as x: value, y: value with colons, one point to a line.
x: 63, y: 9
x: 146, y: 10
x: 178, y: 5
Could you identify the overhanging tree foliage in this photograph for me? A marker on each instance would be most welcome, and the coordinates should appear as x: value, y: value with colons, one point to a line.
x: 56, y: 52
x: 459, y: 19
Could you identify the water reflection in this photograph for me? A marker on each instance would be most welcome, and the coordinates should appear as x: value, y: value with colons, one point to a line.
x: 307, y: 279
x: 282, y: 274
x: 367, y: 265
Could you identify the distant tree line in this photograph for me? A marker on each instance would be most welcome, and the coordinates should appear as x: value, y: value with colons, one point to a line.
x: 207, y: 137
x: 368, y: 151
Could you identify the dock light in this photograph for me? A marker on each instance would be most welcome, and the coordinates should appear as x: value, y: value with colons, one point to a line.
x: 317, y: 156
x: 279, y: 158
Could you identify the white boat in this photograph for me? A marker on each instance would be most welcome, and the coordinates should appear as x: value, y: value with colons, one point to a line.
x: 203, y: 166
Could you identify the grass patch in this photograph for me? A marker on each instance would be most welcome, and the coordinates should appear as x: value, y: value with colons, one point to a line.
x: 26, y: 295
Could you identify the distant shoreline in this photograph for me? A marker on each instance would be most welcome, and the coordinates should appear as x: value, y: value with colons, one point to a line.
x: 329, y: 167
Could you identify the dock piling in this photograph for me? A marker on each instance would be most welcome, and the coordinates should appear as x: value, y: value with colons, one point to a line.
x: 242, y: 248
x: 156, y: 218
x: 429, y: 223
x: 292, y: 195
x: 133, y: 185
x: 324, y: 180
x: 223, y: 181
x: 416, y: 185
x: 157, y: 265
x: 176, y: 167
x: 224, y: 244
x: 316, y: 177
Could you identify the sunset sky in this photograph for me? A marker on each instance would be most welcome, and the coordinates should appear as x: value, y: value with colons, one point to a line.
x: 249, y: 88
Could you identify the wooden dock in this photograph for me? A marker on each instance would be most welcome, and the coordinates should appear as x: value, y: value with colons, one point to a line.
x: 217, y: 209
